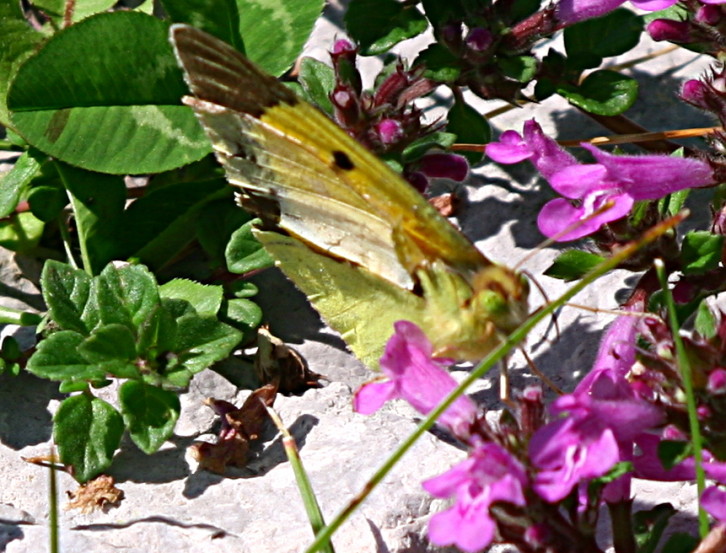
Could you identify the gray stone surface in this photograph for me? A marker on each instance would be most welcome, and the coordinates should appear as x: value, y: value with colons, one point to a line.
x: 170, y: 506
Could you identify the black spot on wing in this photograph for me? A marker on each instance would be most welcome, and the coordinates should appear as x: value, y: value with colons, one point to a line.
x: 342, y: 161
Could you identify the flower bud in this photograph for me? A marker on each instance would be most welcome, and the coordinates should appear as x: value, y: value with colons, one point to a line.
x: 667, y: 29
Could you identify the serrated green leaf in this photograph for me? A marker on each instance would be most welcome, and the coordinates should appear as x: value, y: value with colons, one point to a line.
x: 205, y: 299
x: 470, y: 127
x: 602, y: 37
x: 244, y: 253
x: 701, y: 252
x: 150, y: 414
x: 116, y: 111
x: 705, y: 322
x: 572, y: 265
x: 66, y: 291
x: 98, y: 203
x: 603, y: 93
x: 318, y: 80
x: 87, y: 431
x: 112, y: 349
x: 17, y: 42
x: 57, y: 358
x: 126, y: 295
x: 203, y: 341
x: 440, y: 64
x: 377, y: 25
x: 17, y: 180
x: 156, y: 334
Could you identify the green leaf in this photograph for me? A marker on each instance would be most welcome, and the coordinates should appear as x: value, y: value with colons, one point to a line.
x: 98, y: 203
x: 318, y: 81
x: 243, y: 314
x: 377, y: 25
x: 164, y: 220
x: 17, y: 42
x: 47, y: 202
x: 275, y: 31
x: 648, y: 526
x: 701, y: 252
x: 81, y: 8
x: 87, y: 431
x: 603, y: 93
x: 203, y: 341
x: 113, y: 350
x: 572, y: 265
x: 671, y: 452
x: 602, y: 37
x: 17, y: 180
x: 705, y: 322
x: 126, y: 295
x: 520, y: 68
x: 244, y: 253
x: 205, y: 299
x: 21, y: 232
x: 156, y: 334
x: 57, y: 358
x: 470, y: 127
x: 115, y: 111
x: 66, y: 292
x: 680, y: 542
x: 217, y: 17
x: 150, y: 414
x: 419, y: 147
x: 215, y: 225
x: 440, y: 64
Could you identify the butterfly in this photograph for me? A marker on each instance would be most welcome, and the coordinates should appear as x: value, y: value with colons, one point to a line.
x: 364, y: 246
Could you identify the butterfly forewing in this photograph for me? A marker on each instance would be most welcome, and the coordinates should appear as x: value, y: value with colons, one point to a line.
x: 297, y: 166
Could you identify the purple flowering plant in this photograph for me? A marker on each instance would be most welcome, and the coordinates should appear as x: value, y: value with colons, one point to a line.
x: 543, y: 471
x: 541, y: 474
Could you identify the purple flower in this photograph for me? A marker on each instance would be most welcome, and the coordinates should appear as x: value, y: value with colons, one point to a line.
x: 604, y: 416
x: 602, y: 192
x: 572, y: 11
x: 713, y: 501
x: 417, y: 378
x: 490, y: 474
x: 648, y: 466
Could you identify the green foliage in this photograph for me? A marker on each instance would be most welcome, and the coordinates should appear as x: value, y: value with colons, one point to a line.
x: 377, y: 25
x: 573, y: 265
x: 120, y: 324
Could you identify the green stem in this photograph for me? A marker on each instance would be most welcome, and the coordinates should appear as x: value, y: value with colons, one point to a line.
x: 323, y: 537
x: 18, y: 317
x: 685, y: 369
x: 312, y: 508
x: 53, y: 509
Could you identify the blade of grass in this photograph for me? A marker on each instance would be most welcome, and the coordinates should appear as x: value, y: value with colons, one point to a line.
x: 685, y: 369
x: 489, y: 361
x: 312, y: 508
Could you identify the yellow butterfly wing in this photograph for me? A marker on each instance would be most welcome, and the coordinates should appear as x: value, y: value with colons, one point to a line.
x: 359, y: 238
x: 301, y: 172
x: 362, y: 306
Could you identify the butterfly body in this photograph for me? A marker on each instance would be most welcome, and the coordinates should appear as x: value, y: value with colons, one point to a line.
x: 363, y: 245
